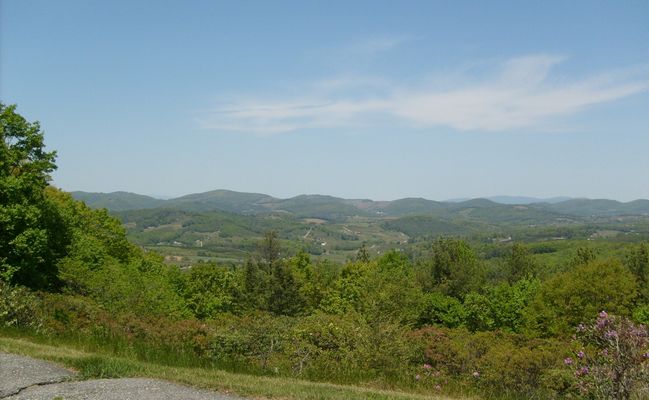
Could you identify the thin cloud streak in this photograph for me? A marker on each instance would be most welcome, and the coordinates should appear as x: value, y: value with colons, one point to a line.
x: 518, y: 94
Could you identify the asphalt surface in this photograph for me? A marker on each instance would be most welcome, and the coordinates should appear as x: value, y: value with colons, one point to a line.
x: 24, y: 378
x: 18, y: 372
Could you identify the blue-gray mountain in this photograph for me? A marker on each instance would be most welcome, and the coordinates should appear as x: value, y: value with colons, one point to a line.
x: 333, y: 208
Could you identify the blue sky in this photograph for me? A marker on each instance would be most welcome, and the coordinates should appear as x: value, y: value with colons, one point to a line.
x: 375, y: 99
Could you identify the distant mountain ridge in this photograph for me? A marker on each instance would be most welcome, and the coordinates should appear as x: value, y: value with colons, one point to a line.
x: 118, y: 201
x: 494, y: 209
x: 520, y: 200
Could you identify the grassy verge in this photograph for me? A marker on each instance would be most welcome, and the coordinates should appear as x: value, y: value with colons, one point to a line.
x: 96, y: 365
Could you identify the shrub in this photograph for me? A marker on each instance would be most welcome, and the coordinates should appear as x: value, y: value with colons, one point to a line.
x: 613, y: 361
x: 19, y: 307
x: 346, y: 348
x: 641, y: 314
x: 493, y: 362
x: 439, y: 309
x: 254, y: 341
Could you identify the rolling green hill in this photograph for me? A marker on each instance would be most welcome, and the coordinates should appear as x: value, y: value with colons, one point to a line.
x: 600, y: 207
x: 338, y: 209
x: 224, y: 200
x: 226, y: 226
x: 118, y: 201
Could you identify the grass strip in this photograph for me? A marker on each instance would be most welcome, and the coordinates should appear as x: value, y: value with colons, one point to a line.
x: 95, y: 365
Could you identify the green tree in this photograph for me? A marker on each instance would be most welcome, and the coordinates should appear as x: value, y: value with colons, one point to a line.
x: 439, y: 309
x: 508, y: 303
x: 348, y: 290
x: 478, y: 311
x: 519, y: 264
x: 317, y: 283
x: 285, y: 296
x: 583, y: 256
x: 269, y: 250
x: 390, y: 295
x: 32, y: 237
x: 210, y: 290
x: 570, y: 298
x: 456, y: 270
x: 638, y: 262
x: 255, y: 286
x: 100, y: 263
x: 362, y: 255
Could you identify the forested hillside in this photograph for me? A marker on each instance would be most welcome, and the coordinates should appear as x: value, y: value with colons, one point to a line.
x: 225, y: 226
x: 474, y: 299
x: 335, y: 208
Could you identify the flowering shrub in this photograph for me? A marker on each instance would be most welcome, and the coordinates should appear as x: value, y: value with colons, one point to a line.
x: 613, y: 360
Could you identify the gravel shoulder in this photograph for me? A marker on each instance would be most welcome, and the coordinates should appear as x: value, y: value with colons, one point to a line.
x: 24, y: 378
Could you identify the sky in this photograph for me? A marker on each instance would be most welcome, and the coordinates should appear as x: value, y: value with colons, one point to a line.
x: 362, y: 99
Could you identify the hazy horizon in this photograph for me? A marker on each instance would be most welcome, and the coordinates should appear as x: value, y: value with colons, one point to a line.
x: 448, y: 200
x: 440, y: 100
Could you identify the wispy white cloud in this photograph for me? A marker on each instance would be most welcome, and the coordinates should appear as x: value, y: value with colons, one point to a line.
x: 518, y: 93
x: 375, y: 45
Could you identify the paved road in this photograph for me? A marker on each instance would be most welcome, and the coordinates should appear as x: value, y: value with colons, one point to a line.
x: 24, y: 378
x: 18, y: 372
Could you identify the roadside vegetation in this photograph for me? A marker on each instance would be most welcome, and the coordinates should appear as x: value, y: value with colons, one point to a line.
x: 447, y: 316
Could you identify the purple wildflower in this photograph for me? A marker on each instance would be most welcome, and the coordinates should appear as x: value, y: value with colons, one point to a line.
x: 603, y: 314
x: 581, y: 354
x: 417, y: 377
x: 567, y: 361
x: 427, y: 366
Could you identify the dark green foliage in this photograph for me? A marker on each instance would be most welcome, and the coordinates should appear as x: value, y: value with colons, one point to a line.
x: 455, y: 268
x: 348, y: 290
x: 317, y: 282
x: 638, y: 263
x: 285, y: 291
x: 583, y: 256
x: 32, y: 237
x: 439, y: 309
x: 509, y: 301
x: 500, y: 307
x: 519, y: 264
x: 255, y: 286
x: 362, y: 254
x: 269, y: 251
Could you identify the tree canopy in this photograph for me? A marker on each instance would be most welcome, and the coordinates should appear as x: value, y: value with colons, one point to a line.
x: 32, y: 236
